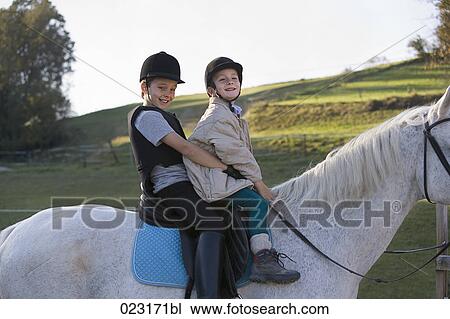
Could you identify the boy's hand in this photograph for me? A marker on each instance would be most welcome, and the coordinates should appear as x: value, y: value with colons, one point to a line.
x: 264, y: 191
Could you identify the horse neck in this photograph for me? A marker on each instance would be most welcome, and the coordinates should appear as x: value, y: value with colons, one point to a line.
x: 365, y: 244
x: 359, y: 247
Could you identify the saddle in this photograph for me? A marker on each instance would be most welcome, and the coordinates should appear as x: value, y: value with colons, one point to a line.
x: 157, y: 258
x: 182, y: 251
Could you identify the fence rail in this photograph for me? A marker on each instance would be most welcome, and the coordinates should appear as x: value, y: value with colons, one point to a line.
x: 271, y: 146
x: 84, y: 154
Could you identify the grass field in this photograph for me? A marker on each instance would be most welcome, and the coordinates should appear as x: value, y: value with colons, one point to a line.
x: 293, y: 127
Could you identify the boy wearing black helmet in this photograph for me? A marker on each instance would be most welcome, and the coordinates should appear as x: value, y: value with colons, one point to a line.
x: 222, y: 131
x: 158, y: 144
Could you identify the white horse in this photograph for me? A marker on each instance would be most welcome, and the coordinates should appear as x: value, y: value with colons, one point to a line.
x: 384, y: 164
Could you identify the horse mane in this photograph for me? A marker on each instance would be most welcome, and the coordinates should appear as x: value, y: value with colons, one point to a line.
x: 356, y: 169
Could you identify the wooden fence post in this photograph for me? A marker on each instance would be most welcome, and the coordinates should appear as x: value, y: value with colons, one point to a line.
x: 111, y: 149
x: 443, y: 261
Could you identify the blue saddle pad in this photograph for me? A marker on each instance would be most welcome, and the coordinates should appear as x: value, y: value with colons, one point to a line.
x: 157, y: 258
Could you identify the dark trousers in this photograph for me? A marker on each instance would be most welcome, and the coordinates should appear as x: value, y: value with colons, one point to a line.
x: 183, y: 207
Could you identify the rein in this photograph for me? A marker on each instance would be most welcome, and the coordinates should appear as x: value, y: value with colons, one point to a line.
x: 299, y: 234
x: 437, y: 149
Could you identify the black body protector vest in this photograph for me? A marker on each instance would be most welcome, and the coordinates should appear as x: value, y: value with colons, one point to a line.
x: 146, y: 155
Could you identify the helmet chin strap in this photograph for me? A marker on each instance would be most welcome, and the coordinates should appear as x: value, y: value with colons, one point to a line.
x: 217, y: 94
x: 148, y: 91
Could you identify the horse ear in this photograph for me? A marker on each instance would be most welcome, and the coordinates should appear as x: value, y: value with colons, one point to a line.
x: 444, y: 105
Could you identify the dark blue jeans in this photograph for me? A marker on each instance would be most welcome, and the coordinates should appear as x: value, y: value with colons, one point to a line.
x: 256, y: 208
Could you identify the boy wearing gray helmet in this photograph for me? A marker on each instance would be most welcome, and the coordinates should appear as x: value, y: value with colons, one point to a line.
x: 221, y: 131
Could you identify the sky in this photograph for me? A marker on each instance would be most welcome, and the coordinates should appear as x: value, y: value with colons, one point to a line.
x: 275, y: 41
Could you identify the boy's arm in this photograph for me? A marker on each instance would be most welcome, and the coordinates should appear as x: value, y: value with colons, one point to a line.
x: 156, y: 130
x: 264, y: 191
x: 192, y: 151
x: 231, y: 151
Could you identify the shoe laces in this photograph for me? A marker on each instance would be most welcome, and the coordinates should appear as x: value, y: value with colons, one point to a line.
x: 277, y: 257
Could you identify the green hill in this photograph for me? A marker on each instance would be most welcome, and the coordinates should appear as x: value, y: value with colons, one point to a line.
x: 340, y: 104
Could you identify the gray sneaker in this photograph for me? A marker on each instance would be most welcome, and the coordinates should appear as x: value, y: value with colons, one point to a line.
x: 267, y: 267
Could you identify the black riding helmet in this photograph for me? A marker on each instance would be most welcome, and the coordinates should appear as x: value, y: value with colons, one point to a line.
x: 161, y: 65
x: 219, y: 64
